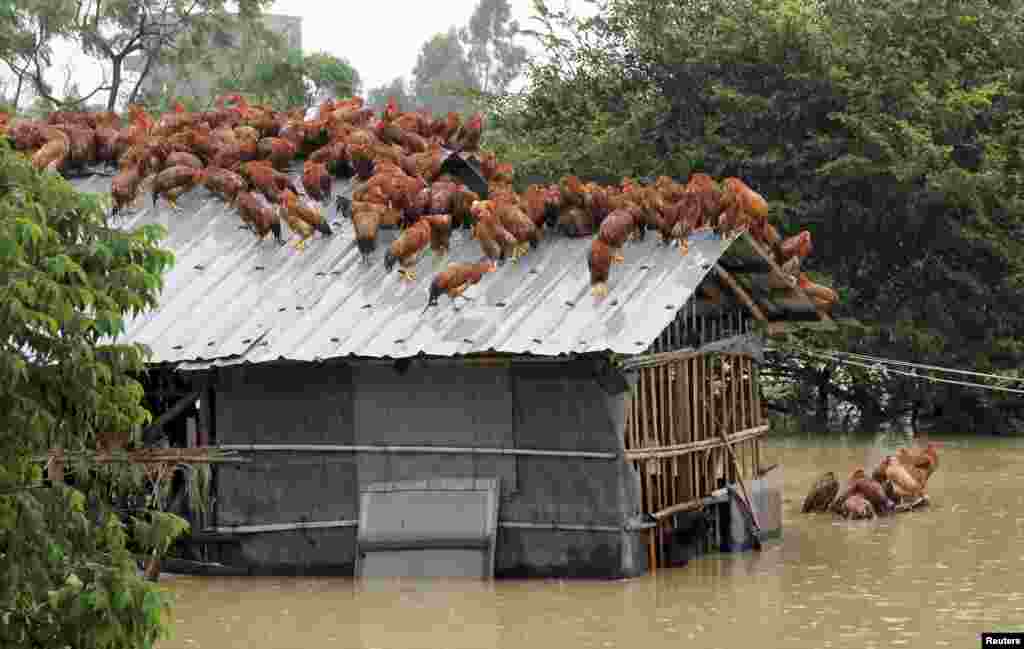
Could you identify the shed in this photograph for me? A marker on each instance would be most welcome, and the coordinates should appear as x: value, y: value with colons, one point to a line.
x: 586, y: 424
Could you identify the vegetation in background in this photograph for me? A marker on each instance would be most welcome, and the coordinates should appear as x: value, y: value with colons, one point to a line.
x: 456, y: 68
x: 67, y: 282
x: 890, y: 130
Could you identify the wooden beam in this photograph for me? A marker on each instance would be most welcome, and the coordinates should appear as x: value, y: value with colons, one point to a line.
x: 689, y: 506
x: 154, y: 430
x: 692, y: 447
x: 660, y: 358
x: 743, y: 296
x: 781, y: 274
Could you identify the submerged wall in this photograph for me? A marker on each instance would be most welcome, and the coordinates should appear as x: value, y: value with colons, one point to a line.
x: 550, y: 407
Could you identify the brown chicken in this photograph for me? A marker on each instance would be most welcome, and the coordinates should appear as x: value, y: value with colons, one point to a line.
x: 303, y: 218
x: 316, y: 180
x: 871, y: 490
x: 407, y: 248
x: 467, y: 140
x: 278, y: 151
x: 445, y: 129
x: 518, y: 224
x: 456, y: 278
x: 710, y: 197
x: 903, y: 483
x: 366, y: 221
x: 856, y: 507
x: 52, y: 155
x: 261, y: 217
x: 124, y: 189
x: 822, y: 494
x: 175, y: 181
x: 440, y: 236
x: 920, y: 463
x: 267, y: 179
x: 495, y: 241
x: 616, y: 229
x: 750, y: 205
x: 224, y: 183
x: 599, y: 262
x: 427, y: 164
x: 462, y: 202
x: 798, y: 245
x: 181, y: 158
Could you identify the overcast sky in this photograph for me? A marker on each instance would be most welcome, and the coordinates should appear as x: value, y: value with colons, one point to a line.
x: 380, y: 39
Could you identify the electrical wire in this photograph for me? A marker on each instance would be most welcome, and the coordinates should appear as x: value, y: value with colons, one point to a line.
x: 948, y: 370
x: 933, y: 379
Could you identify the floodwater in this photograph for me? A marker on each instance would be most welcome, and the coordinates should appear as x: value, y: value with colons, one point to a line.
x: 932, y: 578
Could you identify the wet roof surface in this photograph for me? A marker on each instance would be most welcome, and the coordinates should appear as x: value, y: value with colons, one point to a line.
x: 231, y: 298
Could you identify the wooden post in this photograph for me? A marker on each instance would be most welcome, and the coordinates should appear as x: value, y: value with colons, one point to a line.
x: 652, y: 551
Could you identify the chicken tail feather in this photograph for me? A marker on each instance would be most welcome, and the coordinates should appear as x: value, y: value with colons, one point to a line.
x: 366, y: 246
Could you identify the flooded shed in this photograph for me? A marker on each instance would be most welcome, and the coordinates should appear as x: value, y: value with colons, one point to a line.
x: 532, y: 430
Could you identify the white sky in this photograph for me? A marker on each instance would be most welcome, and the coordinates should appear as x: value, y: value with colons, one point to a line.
x: 381, y: 40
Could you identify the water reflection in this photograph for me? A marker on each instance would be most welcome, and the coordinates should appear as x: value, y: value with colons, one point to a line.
x: 931, y: 578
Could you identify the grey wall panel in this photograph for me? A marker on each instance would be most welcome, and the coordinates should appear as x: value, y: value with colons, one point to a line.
x: 544, y: 553
x: 328, y: 551
x: 445, y: 406
x: 382, y: 467
x: 571, y: 490
x: 285, y: 487
x: 285, y: 404
x: 559, y: 411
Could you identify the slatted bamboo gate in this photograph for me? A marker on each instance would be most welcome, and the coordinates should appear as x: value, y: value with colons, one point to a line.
x: 681, y: 404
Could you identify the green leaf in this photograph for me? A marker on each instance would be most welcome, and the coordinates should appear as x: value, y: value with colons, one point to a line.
x: 58, y: 265
x: 8, y: 248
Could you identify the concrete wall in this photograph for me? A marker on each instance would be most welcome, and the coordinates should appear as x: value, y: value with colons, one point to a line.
x: 527, y: 407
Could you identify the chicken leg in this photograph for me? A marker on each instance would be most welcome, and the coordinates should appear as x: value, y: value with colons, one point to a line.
x: 408, y: 274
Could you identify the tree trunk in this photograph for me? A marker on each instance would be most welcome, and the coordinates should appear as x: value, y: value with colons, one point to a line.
x: 821, y: 416
x: 150, y: 57
x: 115, y: 83
x: 17, y: 91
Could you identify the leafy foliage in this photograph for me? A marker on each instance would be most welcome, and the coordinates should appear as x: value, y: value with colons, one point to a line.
x: 492, y: 48
x: 67, y: 282
x: 272, y: 74
x: 441, y: 71
x: 889, y: 130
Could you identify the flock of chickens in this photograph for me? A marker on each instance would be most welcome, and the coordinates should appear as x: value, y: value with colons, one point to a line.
x: 897, y: 483
x: 242, y: 152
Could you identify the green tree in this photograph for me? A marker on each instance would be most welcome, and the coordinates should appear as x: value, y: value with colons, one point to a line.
x: 161, y: 32
x: 26, y: 34
x: 443, y: 73
x: 890, y: 130
x: 493, y: 51
x: 327, y: 75
x: 272, y: 73
x: 398, y: 88
x: 67, y: 281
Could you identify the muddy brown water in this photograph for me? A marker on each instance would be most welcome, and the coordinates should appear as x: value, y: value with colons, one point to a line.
x: 937, y: 577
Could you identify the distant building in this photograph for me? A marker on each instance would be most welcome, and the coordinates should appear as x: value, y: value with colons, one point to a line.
x: 199, y: 83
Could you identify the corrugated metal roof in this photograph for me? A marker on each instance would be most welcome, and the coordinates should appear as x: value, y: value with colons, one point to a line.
x: 231, y: 298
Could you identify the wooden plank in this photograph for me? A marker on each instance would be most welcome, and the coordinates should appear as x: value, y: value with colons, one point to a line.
x: 822, y: 315
x: 693, y: 447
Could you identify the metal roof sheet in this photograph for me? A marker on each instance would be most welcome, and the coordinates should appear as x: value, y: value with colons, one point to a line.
x: 231, y: 298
